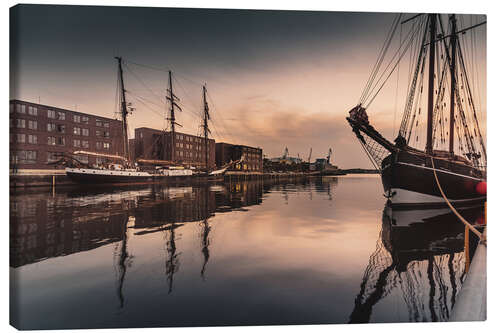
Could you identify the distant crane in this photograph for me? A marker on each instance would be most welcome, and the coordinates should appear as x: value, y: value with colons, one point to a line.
x: 285, y: 154
x: 329, y: 155
x: 310, y: 153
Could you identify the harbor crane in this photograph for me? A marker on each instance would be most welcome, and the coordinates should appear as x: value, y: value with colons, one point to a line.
x: 285, y: 154
x: 329, y: 155
x: 310, y: 153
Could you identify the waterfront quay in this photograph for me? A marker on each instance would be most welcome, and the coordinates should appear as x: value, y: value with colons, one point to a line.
x: 56, y: 178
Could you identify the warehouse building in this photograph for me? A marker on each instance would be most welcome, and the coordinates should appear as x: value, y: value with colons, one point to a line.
x: 39, y: 134
x: 252, y: 157
x: 189, y: 150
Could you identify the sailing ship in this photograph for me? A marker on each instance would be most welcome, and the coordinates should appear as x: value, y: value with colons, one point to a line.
x: 410, y: 174
x: 124, y: 170
x: 117, y: 172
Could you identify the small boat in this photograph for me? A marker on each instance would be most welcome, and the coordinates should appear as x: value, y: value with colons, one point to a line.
x: 410, y: 172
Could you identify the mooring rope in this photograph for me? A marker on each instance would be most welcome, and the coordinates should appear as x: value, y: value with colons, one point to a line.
x: 482, y: 237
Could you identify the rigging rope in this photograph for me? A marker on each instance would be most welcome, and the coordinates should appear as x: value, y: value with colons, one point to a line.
x: 482, y: 237
x: 409, y: 42
x: 380, y: 58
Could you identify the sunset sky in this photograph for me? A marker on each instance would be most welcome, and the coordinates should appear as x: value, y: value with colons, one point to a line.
x: 275, y: 78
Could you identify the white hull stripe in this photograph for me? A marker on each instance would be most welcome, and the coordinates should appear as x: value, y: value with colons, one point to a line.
x: 439, y: 170
x: 411, y: 197
x: 98, y: 172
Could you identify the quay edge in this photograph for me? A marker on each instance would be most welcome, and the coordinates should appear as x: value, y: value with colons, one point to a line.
x: 471, y: 302
x: 58, y: 178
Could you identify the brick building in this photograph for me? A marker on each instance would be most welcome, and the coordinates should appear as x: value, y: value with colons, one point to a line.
x: 225, y: 152
x: 40, y: 133
x: 152, y: 144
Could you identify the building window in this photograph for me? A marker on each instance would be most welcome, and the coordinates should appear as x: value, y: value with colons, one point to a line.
x: 20, y: 108
x: 140, y: 135
x: 85, y: 131
x: 181, y: 144
x: 32, y: 110
x: 32, y: 139
x: 51, y: 114
x: 51, y: 127
x: 61, y: 141
x: 85, y: 119
x: 61, y: 115
x: 177, y: 144
x: 61, y: 128
x: 98, y: 145
x: 85, y: 144
x: 101, y: 160
x: 51, y: 140
x: 11, y: 108
x: 20, y: 123
x: 25, y: 156
x: 53, y: 156
x: 105, y: 134
x: 21, y: 138
x: 106, y: 145
x: 106, y: 124
x: 76, y: 118
x: 82, y: 158
x: 76, y: 143
x: 32, y: 124
x: 98, y: 122
x: 77, y: 131
x: 97, y: 133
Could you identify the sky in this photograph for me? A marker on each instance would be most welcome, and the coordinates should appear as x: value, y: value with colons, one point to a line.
x: 275, y: 79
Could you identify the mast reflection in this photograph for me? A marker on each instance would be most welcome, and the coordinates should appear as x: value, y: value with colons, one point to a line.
x: 205, y: 242
x: 43, y: 227
x: 124, y: 261
x: 416, y: 250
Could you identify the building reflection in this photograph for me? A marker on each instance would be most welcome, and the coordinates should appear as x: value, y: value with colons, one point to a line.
x: 417, y: 250
x: 43, y: 227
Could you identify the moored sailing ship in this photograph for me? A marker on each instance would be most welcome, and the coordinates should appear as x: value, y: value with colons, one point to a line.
x: 412, y: 176
x: 124, y: 170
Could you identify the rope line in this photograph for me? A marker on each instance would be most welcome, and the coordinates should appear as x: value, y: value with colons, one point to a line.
x: 482, y: 237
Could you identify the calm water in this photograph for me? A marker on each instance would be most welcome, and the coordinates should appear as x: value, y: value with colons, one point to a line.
x: 315, y: 251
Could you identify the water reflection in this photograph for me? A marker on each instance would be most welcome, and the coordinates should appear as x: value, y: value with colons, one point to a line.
x: 43, y: 227
x: 240, y: 253
x: 417, y: 250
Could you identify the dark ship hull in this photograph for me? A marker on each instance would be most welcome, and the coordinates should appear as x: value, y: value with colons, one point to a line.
x: 409, y: 181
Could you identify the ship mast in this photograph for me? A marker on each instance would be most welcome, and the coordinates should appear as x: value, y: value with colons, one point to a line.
x: 124, y: 111
x: 453, y: 41
x: 172, y: 98
x: 430, y: 101
x: 206, y: 117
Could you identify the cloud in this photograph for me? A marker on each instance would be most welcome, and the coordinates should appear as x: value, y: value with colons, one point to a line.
x: 267, y: 123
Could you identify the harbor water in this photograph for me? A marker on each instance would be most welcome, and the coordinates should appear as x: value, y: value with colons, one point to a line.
x: 312, y: 251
